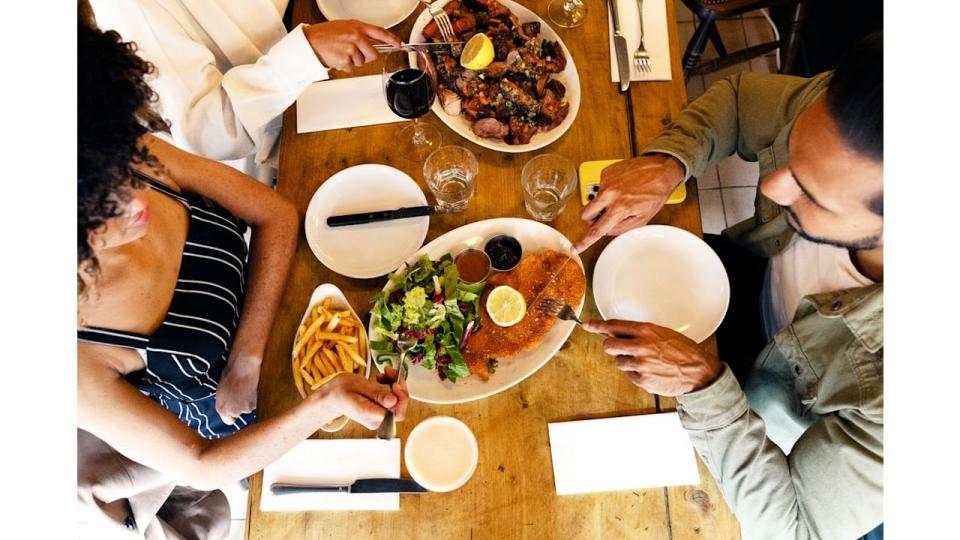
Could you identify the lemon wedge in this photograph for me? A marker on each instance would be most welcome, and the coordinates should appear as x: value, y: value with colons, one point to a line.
x: 477, y: 53
x: 506, y: 306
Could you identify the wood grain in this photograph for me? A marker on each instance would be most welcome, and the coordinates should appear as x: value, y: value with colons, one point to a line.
x: 512, y: 494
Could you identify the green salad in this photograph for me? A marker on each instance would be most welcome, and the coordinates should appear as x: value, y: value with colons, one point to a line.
x: 431, y: 304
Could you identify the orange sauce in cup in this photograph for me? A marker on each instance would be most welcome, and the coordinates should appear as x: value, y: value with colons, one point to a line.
x: 473, y: 265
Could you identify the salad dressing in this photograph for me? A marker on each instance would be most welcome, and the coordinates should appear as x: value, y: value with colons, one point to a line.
x: 473, y: 265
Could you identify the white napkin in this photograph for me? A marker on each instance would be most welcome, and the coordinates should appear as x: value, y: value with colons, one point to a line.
x: 343, y: 103
x: 628, y: 452
x: 656, y: 40
x: 333, y: 462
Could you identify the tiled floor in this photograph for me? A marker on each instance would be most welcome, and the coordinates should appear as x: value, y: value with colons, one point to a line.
x: 727, y: 190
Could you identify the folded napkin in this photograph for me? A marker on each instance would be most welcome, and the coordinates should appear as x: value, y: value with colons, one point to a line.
x: 333, y: 462
x: 343, y: 103
x: 656, y: 40
x: 628, y: 452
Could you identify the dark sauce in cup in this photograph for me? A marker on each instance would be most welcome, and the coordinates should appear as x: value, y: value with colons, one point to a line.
x: 473, y: 265
x: 504, y: 252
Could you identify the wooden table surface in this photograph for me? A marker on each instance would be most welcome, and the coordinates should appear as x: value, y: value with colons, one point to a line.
x: 512, y: 493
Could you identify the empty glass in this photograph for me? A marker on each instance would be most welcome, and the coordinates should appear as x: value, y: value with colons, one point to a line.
x: 450, y: 172
x: 567, y: 13
x: 548, y: 180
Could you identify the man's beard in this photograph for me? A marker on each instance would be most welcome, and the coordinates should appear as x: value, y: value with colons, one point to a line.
x: 867, y: 242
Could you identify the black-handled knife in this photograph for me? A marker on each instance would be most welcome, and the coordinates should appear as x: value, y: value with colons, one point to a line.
x: 366, y: 485
x: 382, y: 215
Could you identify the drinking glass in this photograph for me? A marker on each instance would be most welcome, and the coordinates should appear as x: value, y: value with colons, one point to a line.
x: 410, y: 92
x: 567, y: 13
x: 548, y: 180
x: 450, y: 172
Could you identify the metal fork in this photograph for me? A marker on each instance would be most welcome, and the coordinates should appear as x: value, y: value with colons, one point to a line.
x: 641, y: 58
x: 558, y: 308
x: 388, y: 427
x: 441, y: 18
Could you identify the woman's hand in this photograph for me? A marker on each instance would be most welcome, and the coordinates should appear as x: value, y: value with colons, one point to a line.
x: 631, y: 193
x: 655, y: 358
x: 237, y: 392
x: 344, y: 45
x: 362, y: 401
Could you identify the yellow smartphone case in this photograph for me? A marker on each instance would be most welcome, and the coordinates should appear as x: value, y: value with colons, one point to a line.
x: 590, y: 182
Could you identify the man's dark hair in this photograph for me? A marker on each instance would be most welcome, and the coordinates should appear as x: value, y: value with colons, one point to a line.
x: 855, y: 97
x: 113, y: 112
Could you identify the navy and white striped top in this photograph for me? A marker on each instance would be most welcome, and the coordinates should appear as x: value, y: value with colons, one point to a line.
x: 185, y: 356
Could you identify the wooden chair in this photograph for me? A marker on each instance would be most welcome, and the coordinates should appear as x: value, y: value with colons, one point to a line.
x: 710, y: 11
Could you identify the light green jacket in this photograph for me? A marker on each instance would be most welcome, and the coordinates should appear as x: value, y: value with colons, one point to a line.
x: 831, y: 484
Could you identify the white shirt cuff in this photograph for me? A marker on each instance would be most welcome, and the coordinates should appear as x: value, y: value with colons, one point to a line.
x: 294, y: 57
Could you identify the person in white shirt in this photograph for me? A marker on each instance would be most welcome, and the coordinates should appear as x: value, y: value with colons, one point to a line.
x: 226, y: 70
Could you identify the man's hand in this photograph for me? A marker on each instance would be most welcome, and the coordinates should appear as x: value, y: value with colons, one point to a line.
x: 655, y: 358
x: 237, y: 391
x: 631, y: 193
x: 364, y: 402
x: 344, y: 45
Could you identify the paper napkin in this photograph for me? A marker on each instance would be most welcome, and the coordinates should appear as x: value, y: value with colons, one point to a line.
x: 343, y: 103
x: 333, y: 462
x: 628, y: 452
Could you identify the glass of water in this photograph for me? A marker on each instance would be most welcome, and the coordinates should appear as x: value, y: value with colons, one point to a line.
x: 548, y: 180
x: 450, y: 172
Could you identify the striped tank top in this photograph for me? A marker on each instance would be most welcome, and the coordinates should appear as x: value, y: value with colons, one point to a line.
x: 184, y: 358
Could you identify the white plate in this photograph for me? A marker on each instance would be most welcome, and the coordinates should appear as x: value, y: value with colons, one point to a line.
x: 425, y: 385
x: 337, y: 301
x: 568, y: 77
x: 371, y: 250
x: 385, y: 13
x: 663, y: 275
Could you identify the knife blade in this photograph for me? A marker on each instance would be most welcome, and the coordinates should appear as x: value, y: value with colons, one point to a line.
x: 383, y: 215
x: 620, y: 48
x: 365, y: 485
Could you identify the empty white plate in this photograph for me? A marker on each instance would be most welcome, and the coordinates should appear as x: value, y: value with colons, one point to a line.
x: 662, y: 275
x: 374, y: 249
x: 385, y: 13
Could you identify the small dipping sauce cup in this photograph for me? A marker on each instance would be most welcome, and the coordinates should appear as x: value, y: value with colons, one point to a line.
x: 504, y: 251
x: 473, y: 265
x: 441, y: 453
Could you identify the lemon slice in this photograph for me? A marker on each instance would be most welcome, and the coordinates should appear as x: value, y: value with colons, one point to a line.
x: 506, y: 306
x: 477, y: 53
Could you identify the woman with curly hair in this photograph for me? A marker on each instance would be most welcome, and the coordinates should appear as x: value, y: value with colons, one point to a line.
x: 173, y: 310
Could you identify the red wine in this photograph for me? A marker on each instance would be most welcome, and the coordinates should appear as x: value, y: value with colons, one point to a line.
x: 410, y: 93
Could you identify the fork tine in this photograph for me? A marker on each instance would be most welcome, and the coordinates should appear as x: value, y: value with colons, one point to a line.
x: 449, y: 25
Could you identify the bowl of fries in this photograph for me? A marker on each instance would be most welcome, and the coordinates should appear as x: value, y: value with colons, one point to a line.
x: 330, y: 340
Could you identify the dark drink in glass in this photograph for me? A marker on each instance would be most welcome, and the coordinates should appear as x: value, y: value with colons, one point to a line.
x: 410, y: 93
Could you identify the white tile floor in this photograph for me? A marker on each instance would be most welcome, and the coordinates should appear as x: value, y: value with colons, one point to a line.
x: 727, y: 191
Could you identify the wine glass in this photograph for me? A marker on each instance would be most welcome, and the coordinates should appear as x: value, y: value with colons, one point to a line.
x: 410, y: 92
x: 567, y: 13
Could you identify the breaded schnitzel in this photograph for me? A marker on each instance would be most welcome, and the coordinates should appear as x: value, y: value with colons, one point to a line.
x: 531, y: 278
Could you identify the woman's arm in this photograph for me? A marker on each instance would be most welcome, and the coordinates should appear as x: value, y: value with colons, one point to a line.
x: 140, y: 429
x: 274, y: 222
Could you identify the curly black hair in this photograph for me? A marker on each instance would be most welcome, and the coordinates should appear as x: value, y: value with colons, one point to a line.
x: 113, y: 112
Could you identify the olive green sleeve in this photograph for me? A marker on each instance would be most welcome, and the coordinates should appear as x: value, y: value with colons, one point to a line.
x: 742, y: 113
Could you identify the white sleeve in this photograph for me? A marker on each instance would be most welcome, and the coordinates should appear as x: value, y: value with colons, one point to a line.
x: 218, y: 115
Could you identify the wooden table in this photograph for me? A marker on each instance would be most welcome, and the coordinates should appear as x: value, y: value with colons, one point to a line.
x: 512, y: 493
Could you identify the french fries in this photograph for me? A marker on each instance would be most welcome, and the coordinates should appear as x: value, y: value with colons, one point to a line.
x: 329, y: 342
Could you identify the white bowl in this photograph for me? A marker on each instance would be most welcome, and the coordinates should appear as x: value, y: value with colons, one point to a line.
x: 663, y: 275
x: 337, y: 301
x: 437, y: 451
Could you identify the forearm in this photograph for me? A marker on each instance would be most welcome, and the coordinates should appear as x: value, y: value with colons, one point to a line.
x: 226, y: 460
x: 271, y: 254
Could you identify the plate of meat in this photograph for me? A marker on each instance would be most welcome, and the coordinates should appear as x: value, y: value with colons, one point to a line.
x: 457, y: 335
x: 527, y: 98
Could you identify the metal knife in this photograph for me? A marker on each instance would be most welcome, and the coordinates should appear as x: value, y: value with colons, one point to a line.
x: 366, y: 485
x: 620, y: 48
x: 383, y: 215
